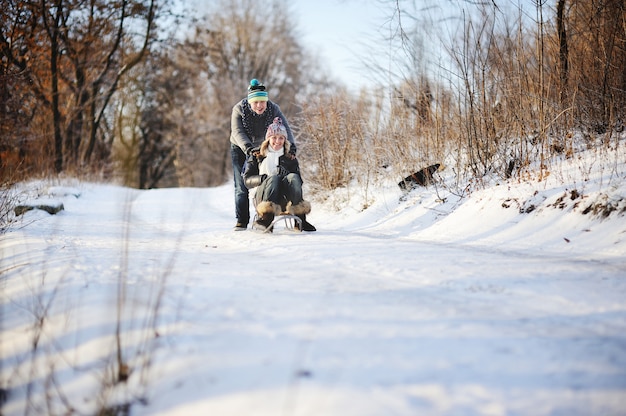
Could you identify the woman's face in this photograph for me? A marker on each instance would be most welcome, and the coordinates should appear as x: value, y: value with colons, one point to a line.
x: 258, y: 107
x: 277, y: 141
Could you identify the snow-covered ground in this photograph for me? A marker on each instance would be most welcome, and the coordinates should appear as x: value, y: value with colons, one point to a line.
x: 506, y: 301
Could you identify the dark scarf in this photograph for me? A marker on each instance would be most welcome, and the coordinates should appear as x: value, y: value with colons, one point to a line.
x: 250, y: 118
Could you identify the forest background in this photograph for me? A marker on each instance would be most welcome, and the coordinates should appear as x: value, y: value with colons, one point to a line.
x: 139, y: 92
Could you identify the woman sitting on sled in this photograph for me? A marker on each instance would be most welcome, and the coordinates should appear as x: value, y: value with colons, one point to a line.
x: 276, y: 175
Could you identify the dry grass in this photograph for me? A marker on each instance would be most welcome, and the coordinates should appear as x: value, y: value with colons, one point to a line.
x: 506, y: 110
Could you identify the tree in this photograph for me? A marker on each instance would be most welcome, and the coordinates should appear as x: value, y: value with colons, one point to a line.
x: 188, y: 91
x: 244, y: 42
x: 563, y: 50
x: 597, y: 53
x: 18, y: 102
x: 75, y: 54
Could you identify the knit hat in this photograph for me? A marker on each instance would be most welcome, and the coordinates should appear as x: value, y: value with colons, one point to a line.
x: 276, y: 128
x: 256, y: 91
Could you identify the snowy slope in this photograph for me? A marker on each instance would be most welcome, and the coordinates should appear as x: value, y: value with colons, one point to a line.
x: 426, y: 303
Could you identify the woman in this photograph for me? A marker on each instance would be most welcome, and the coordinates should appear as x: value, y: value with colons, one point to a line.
x: 276, y: 175
x: 249, y: 121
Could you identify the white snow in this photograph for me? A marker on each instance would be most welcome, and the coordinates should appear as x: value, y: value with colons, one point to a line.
x: 430, y: 303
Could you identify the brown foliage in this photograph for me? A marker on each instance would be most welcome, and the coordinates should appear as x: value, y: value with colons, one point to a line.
x: 72, y: 56
x: 520, y: 87
x: 597, y: 61
x: 517, y: 88
x: 190, y: 87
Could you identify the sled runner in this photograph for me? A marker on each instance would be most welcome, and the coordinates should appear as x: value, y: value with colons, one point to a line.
x: 290, y: 223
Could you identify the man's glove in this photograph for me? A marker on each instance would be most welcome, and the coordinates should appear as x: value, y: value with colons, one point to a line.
x: 250, y: 150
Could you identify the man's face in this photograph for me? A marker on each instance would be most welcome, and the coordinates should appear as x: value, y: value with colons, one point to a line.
x: 258, y: 107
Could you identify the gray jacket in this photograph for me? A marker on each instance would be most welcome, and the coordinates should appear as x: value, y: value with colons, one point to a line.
x: 247, y: 129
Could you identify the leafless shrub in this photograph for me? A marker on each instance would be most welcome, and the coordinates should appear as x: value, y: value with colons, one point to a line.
x: 514, y: 91
x: 8, y: 200
x: 334, y: 140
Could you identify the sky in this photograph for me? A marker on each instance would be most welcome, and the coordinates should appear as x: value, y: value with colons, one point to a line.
x: 351, y: 34
x: 348, y: 36
x: 507, y: 300
x: 340, y: 32
x: 337, y: 31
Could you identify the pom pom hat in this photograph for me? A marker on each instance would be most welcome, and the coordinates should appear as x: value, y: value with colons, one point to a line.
x: 256, y: 91
x: 276, y: 129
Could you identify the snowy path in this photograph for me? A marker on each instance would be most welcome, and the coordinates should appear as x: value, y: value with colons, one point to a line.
x: 337, y: 322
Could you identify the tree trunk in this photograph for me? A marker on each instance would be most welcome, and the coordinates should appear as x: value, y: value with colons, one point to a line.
x: 53, y: 32
x: 563, y: 52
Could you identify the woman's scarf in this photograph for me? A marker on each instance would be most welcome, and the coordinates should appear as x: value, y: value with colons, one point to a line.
x: 269, y: 165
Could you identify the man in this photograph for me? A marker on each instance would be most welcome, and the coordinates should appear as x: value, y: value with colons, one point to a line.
x: 249, y: 121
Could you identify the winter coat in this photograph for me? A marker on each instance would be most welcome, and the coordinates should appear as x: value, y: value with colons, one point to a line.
x: 247, y: 129
x: 251, y: 175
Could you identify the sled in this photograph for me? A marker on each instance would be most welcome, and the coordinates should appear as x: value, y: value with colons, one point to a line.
x: 289, y: 220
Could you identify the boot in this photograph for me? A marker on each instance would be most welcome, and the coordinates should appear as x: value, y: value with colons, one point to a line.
x: 266, y: 211
x: 306, y: 226
x: 300, y: 210
x: 264, y: 221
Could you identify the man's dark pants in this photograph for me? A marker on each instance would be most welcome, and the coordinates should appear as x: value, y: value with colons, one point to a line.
x: 242, y: 203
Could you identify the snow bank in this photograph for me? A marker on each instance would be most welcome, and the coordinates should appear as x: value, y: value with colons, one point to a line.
x: 146, y: 302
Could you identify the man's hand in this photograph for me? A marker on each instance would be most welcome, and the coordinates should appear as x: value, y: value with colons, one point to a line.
x: 255, y: 151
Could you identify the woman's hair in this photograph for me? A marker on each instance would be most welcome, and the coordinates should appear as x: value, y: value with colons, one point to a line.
x: 275, y: 129
x: 266, y: 144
